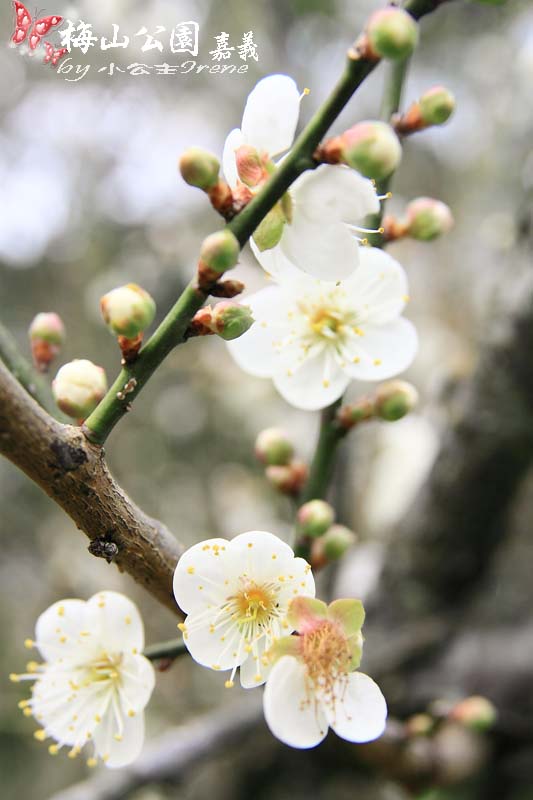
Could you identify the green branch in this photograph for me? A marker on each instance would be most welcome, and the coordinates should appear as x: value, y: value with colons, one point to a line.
x: 171, y: 649
x: 35, y: 384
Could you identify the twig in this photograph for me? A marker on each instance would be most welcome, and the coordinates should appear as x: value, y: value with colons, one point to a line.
x: 171, y: 649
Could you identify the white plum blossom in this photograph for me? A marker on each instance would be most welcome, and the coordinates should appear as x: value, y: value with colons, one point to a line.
x: 236, y: 594
x: 313, y: 684
x: 312, y: 224
x: 314, y: 337
x: 94, y: 683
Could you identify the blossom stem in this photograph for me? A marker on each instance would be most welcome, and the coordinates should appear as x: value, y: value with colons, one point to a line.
x: 171, y: 331
x: 171, y: 649
x: 35, y: 384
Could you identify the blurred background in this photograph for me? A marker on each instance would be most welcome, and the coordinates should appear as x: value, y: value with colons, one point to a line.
x: 90, y: 198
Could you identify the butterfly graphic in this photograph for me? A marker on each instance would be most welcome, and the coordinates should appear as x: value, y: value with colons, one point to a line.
x: 24, y: 23
x: 53, y: 55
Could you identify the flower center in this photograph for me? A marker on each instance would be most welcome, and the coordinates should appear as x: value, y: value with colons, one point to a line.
x: 254, y: 603
x: 326, y: 653
x: 326, y: 322
x: 106, y: 668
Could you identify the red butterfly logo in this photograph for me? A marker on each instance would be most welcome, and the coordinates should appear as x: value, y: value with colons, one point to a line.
x: 24, y: 23
x: 52, y: 54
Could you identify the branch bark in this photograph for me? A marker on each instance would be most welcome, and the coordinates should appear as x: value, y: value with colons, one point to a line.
x: 60, y: 460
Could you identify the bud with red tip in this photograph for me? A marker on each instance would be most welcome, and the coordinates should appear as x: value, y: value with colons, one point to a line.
x: 199, y: 168
x: 332, y: 546
x: 47, y: 334
x: 372, y: 148
x: 426, y: 219
x: 289, y: 479
x: 392, y: 33
x: 274, y: 448
x: 220, y: 251
x: 314, y: 518
x: 436, y: 106
x: 394, y: 400
x: 476, y: 712
x: 78, y: 388
x: 128, y: 310
x: 229, y: 319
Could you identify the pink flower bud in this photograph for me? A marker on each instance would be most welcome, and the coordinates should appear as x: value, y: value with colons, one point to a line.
x: 436, y: 106
x: 273, y: 448
x: 427, y: 218
x: 199, y: 168
x: 220, y: 251
x: 47, y: 334
x: 372, y: 148
x: 332, y: 546
x: 127, y: 310
x: 392, y: 32
x: 314, y: 518
x: 229, y: 320
x: 475, y: 712
x: 78, y: 388
x: 288, y: 479
x: 250, y: 166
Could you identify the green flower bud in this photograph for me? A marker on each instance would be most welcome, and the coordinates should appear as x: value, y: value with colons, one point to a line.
x: 273, y: 448
x: 419, y: 725
x: 78, y: 387
x: 230, y: 320
x: 395, y: 399
x: 220, y: 251
x: 436, y: 106
x: 288, y: 479
x: 47, y: 334
x: 270, y: 230
x: 314, y: 518
x: 199, y: 168
x: 335, y: 542
x: 372, y: 148
x: 127, y: 310
x: 392, y: 32
x: 475, y: 712
x: 427, y: 218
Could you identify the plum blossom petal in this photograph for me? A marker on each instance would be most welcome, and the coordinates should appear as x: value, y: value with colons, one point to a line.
x: 334, y: 193
x: 289, y: 713
x: 382, y: 351
x: 316, y: 383
x: 58, y: 630
x: 360, y: 711
x: 117, y: 620
x: 271, y: 114
x: 118, y: 752
x: 327, y: 251
x: 233, y: 141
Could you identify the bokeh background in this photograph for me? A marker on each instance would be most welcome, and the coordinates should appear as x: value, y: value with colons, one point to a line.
x: 90, y: 198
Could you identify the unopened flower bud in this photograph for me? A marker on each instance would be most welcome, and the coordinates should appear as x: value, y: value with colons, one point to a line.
x: 427, y: 218
x: 273, y: 448
x: 230, y: 320
x: 220, y: 251
x: 314, y: 518
x: 392, y: 32
x: 199, y: 168
x: 372, y: 148
x: 127, y: 310
x: 419, y: 725
x: 47, y: 334
x: 360, y: 411
x: 475, y: 712
x: 394, y: 399
x: 78, y: 387
x: 270, y: 230
x: 250, y: 167
x: 332, y: 546
x: 288, y: 479
x: 436, y: 106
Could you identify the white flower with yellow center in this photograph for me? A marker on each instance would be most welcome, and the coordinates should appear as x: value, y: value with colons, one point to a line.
x: 236, y: 595
x: 314, y: 685
x: 312, y: 224
x: 314, y: 337
x: 94, y: 683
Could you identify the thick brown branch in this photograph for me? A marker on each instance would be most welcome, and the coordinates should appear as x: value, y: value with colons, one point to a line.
x: 73, y: 472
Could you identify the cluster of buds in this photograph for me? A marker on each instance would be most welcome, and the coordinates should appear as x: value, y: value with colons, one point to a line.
x: 201, y: 169
x: 275, y: 451
x: 227, y: 319
x: 435, y: 107
x: 219, y: 253
x: 46, y: 334
x: 370, y: 147
x: 476, y: 713
x: 315, y: 526
x: 128, y: 311
x: 425, y: 219
x: 390, y: 402
x: 78, y: 388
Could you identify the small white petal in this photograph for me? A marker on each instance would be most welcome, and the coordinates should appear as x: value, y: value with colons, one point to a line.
x: 313, y: 385
x: 137, y: 682
x: 275, y: 262
x: 58, y: 629
x: 214, y: 641
x: 292, y: 716
x: 271, y: 114
x: 117, y: 621
x: 334, y: 193
x: 260, y: 545
x: 200, y: 574
x: 360, y: 711
x: 379, y: 286
x: 255, y: 352
x: 119, y: 753
x: 229, y: 165
x: 383, y: 351
x: 327, y: 251
x: 253, y: 672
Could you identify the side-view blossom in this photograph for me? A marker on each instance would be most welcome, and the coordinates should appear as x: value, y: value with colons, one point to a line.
x: 311, y: 225
x: 94, y: 683
x: 314, y: 337
x: 314, y: 685
x: 236, y: 595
